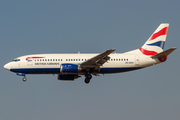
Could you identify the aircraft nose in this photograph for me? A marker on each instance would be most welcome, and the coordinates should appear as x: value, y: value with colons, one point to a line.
x: 7, y: 66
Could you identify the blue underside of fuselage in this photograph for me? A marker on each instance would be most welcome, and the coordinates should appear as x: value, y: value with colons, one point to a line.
x: 57, y: 70
x: 117, y: 70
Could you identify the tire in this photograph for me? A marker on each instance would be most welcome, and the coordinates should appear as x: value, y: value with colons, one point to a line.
x: 24, y: 79
x: 87, y: 80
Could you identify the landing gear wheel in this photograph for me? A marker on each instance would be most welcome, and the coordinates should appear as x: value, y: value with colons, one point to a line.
x: 24, y: 79
x: 88, y: 78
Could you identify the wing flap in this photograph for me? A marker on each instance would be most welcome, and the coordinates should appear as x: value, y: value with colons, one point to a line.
x: 98, y: 60
x: 103, y: 60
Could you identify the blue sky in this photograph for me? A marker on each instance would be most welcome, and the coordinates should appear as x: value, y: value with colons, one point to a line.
x: 30, y: 27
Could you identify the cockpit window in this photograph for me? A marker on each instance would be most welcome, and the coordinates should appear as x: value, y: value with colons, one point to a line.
x: 16, y: 60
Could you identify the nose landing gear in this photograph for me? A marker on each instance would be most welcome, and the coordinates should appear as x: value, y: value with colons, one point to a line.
x: 24, y: 79
x: 22, y: 74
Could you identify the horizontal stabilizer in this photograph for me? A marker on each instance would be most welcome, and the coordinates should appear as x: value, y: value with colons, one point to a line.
x: 164, y: 53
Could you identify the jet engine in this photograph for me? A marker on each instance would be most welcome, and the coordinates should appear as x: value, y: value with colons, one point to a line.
x: 69, y: 68
x: 68, y: 77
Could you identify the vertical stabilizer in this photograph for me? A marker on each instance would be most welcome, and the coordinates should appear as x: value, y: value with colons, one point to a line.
x: 155, y: 44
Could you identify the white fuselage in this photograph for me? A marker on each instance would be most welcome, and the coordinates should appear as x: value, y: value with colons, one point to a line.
x: 51, y: 63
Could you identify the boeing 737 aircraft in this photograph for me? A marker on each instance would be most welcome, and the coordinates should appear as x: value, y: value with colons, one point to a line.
x: 72, y: 66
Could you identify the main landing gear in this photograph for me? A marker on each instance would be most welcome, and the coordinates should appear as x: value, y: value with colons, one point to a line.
x: 88, y: 78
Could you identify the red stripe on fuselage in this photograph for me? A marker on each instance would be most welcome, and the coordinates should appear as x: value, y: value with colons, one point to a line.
x: 147, y: 52
x: 161, y: 32
x: 33, y: 57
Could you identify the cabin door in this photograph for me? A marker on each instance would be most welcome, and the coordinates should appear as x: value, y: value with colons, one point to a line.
x: 137, y: 60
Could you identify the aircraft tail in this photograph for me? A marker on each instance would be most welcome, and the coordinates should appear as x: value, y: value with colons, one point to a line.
x: 155, y: 44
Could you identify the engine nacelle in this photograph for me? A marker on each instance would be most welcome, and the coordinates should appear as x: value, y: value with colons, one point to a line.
x: 68, y: 77
x: 69, y: 68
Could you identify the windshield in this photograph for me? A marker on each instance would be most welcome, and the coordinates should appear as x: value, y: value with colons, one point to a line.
x: 16, y: 60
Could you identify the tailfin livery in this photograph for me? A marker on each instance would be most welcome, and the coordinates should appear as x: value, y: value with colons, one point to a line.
x: 155, y: 44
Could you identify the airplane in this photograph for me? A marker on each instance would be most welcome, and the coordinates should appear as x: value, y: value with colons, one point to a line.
x: 72, y: 66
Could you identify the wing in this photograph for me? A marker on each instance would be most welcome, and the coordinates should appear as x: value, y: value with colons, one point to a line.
x: 98, y: 60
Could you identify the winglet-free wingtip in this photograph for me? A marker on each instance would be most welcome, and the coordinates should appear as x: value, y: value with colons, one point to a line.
x: 111, y: 49
x: 174, y: 48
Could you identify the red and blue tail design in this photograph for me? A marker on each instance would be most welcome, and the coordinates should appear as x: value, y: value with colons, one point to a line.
x: 155, y: 44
